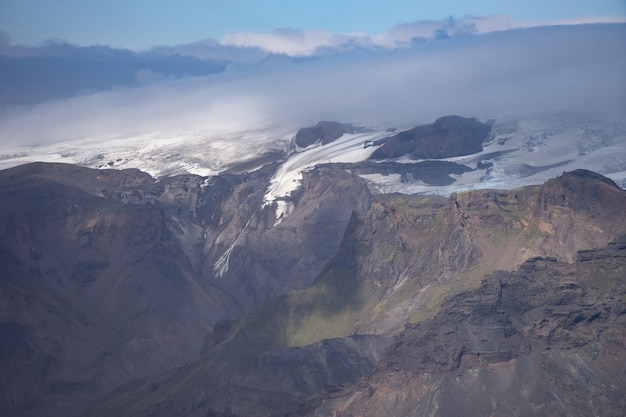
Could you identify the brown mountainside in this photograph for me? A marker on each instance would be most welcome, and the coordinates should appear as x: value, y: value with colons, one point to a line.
x: 123, y: 295
x: 109, y: 275
x: 396, y: 266
x: 546, y: 340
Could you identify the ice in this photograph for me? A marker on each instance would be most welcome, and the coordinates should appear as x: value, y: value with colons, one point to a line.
x: 521, y: 150
x: 201, y: 152
x: 349, y: 148
x: 528, y: 150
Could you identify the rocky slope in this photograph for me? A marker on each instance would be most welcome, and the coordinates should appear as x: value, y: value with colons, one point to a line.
x: 395, y: 267
x: 546, y: 340
x: 111, y: 275
x: 126, y: 295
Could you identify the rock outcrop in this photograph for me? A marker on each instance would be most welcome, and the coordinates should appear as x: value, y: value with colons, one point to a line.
x: 449, y: 136
x: 324, y: 132
x: 548, y: 339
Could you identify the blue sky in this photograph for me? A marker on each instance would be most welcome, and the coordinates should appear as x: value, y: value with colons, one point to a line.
x: 140, y: 24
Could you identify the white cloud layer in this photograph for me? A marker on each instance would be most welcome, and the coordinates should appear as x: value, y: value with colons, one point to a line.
x: 287, y: 41
x: 307, y: 43
x: 488, y: 75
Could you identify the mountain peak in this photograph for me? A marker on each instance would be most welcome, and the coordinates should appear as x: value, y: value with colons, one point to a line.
x: 585, y: 174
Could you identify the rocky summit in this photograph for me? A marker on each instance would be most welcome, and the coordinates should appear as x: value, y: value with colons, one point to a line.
x: 324, y: 132
x: 126, y: 295
x: 449, y: 136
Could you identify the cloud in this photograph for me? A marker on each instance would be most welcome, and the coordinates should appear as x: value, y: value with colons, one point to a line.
x: 29, y: 75
x: 210, y: 49
x: 488, y: 75
x: 54, y: 70
x: 307, y: 43
x: 286, y: 41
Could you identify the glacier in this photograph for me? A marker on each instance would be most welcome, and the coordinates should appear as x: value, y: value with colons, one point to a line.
x: 520, y: 150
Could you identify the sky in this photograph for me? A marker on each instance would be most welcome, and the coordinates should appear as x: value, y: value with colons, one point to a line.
x: 142, y: 24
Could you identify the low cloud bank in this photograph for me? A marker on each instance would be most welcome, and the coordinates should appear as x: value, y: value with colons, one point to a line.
x: 484, y: 75
x: 308, y: 43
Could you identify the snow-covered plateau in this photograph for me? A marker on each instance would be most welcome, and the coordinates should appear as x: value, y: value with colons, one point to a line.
x: 520, y: 150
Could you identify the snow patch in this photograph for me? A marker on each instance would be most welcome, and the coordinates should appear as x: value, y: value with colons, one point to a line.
x: 283, y: 210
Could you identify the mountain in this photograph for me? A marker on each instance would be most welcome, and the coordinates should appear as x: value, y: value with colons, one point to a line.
x: 123, y: 294
x: 401, y: 266
x: 111, y: 275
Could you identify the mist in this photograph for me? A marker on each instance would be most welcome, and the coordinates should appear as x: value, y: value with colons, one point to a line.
x: 485, y: 76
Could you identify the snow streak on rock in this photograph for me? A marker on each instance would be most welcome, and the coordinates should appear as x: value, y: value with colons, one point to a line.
x: 221, y: 265
x: 288, y: 177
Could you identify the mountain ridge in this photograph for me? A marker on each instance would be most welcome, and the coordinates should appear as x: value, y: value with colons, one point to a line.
x: 124, y: 264
x: 393, y: 218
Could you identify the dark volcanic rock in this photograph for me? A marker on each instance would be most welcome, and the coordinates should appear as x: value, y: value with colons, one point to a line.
x: 270, y: 259
x: 545, y: 340
x: 324, y: 132
x: 449, y: 136
x: 430, y: 172
x: 246, y: 383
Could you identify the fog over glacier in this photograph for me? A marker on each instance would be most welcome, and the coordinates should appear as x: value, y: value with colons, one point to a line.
x: 483, y: 75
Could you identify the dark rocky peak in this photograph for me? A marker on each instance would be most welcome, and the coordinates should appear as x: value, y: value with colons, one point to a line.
x: 584, y: 176
x: 430, y: 172
x: 324, y: 132
x: 449, y: 136
x: 582, y: 190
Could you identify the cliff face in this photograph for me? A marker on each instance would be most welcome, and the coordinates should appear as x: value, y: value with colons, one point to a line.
x: 189, y: 291
x: 545, y: 340
x: 419, y: 249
